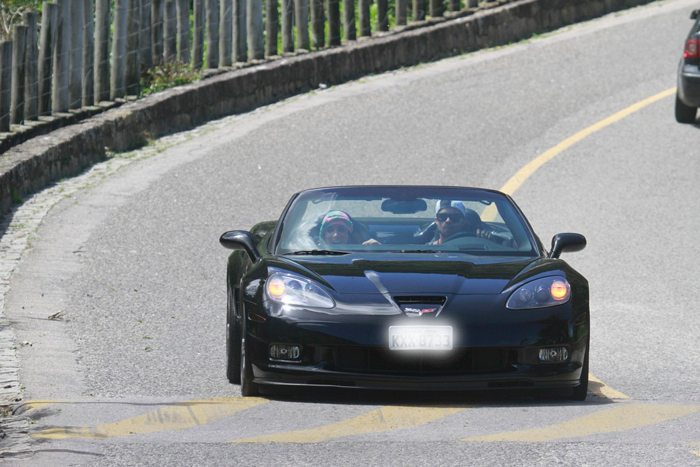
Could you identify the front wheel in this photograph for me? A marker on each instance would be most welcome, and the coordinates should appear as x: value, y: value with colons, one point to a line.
x: 581, y: 391
x: 248, y: 387
x: 684, y: 113
x: 233, y: 344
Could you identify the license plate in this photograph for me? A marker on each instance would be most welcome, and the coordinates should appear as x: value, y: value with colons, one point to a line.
x: 420, y: 337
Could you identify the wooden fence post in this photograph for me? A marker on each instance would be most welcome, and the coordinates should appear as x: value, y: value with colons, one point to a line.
x: 212, y: 13
x: 287, y: 25
x: 88, y: 97
x: 61, y: 60
x: 5, y: 84
x: 318, y: 35
x: 472, y: 3
x: 170, y: 47
x: 102, y: 28
x: 240, y: 30
x: 382, y: 15
x: 365, y: 29
x: 401, y: 7
x: 49, y: 24
x: 133, y: 63
x: 301, y: 10
x: 198, y: 40
x: 157, y: 31
x: 146, y: 53
x: 455, y: 5
x: 349, y: 20
x: 31, y: 77
x: 437, y: 8
x: 226, y: 34
x: 255, y: 29
x: 333, y: 7
x: 271, y: 26
x: 183, y: 31
x: 118, y: 78
x: 19, y: 54
x: 418, y: 10
x: 76, y: 54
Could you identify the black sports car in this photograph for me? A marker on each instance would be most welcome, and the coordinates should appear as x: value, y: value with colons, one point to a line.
x: 688, y: 93
x: 405, y: 287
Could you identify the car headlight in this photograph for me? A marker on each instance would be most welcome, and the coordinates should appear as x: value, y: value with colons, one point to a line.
x: 540, y: 293
x: 293, y: 290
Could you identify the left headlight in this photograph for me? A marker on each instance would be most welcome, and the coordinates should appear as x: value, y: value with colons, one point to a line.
x: 540, y: 293
x: 293, y: 290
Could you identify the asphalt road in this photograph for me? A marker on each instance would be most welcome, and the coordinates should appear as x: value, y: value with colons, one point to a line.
x: 133, y: 260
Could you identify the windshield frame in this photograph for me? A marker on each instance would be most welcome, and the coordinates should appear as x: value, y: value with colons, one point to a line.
x: 443, y: 192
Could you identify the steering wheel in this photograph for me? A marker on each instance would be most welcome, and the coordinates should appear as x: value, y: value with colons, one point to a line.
x: 459, y: 235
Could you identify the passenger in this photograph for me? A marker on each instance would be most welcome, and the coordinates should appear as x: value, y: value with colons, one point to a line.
x: 451, y: 218
x: 337, y: 228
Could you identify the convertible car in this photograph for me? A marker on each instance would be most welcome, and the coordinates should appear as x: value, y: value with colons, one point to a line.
x: 405, y: 287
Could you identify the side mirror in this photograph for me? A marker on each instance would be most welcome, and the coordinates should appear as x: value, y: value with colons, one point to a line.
x: 241, y: 240
x: 567, y: 242
x: 695, y: 14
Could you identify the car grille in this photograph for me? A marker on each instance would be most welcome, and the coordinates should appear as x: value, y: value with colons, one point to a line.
x: 384, y: 361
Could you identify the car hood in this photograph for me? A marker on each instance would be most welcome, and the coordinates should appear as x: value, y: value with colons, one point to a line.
x: 417, y: 274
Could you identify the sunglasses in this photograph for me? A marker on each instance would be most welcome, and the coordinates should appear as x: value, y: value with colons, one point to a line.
x: 455, y: 216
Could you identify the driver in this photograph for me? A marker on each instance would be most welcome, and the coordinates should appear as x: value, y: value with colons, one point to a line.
x: 451, y: 217
x: 337, y: 229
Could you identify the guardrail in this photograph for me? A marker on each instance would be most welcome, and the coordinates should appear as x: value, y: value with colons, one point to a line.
x: 85, y: 56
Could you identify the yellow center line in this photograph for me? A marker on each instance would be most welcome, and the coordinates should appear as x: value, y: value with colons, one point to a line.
x: 523, y: 174
x: 384, y: 419
x: 599, y: 388
x: 30, y: 406
x: 186, y: 414
x: 619, y: 418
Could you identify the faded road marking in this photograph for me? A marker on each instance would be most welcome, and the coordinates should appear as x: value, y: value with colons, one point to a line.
x: 186, y: 414
x: 600, y: 389
x: 619, y: 418
x: 384, y: 419
x: 30, y: 406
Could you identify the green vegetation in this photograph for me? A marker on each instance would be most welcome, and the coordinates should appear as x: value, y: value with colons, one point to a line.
x: 11, y: 13
x: 167, y: 76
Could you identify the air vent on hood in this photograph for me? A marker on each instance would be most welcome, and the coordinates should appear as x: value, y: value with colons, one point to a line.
x: 419, y: 299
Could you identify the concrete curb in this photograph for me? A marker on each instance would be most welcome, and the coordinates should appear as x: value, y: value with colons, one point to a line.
x: 35, y: 164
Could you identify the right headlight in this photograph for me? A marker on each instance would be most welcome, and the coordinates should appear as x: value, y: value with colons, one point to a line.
x: 294, y: 290
x: 540, y: 293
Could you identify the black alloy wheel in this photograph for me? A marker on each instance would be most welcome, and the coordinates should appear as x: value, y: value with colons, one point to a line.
x: 233, y: 343
x: 248, y: 387
x: 684, y: 113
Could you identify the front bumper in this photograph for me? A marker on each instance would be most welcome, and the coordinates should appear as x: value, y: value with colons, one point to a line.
x: 492, y: 349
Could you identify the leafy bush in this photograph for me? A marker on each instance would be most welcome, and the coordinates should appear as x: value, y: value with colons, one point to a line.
x: 11, y: 13
x: 167, y: 76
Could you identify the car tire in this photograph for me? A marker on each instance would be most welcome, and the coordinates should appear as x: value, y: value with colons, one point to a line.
x: 248, y: 387
x: 684, y: 113
x: 581, y: 391
x: 233, y: 344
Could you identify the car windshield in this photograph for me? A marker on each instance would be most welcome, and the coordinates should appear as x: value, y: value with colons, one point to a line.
x: 334, y: 221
